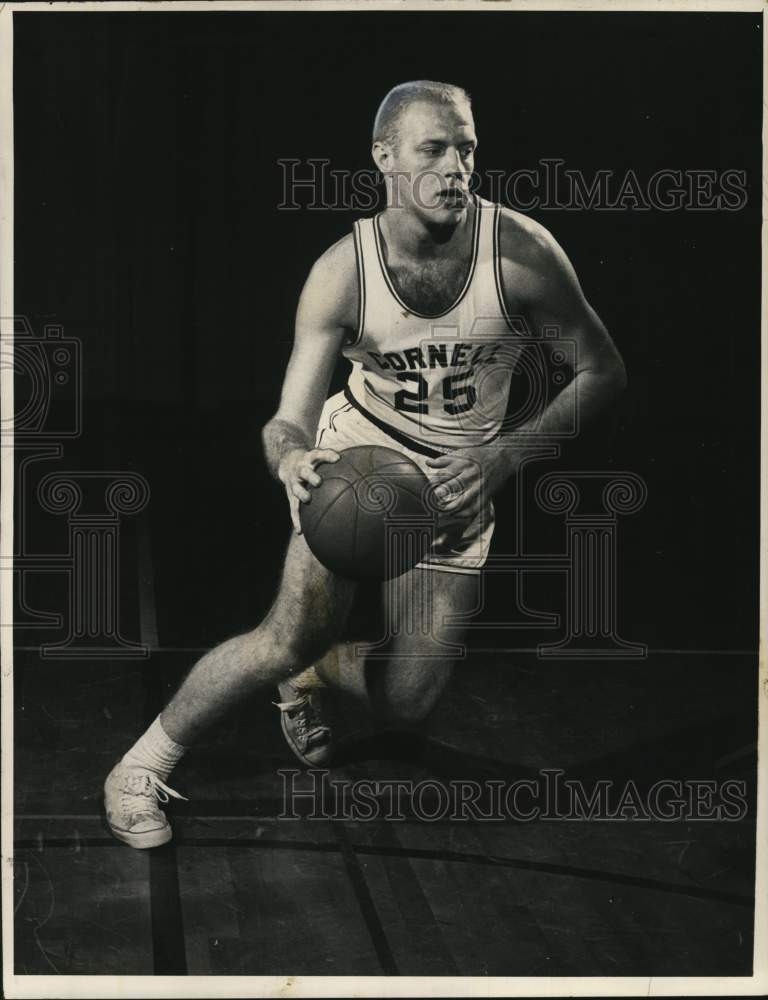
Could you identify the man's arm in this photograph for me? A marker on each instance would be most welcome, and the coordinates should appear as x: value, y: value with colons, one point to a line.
x: 539, y: 279
x: 326, y: 311
x: 552, y: 297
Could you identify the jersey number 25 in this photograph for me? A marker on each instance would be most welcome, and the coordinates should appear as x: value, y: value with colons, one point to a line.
x: 457, y: 398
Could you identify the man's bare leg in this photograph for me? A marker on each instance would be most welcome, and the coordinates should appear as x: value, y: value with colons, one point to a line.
x: 404, y: 687
x: 306, y: 618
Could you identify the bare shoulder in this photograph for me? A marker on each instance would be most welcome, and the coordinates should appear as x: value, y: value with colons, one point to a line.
x: 339, y: 259
x: 532, y: 261
x: 332, y: 283
x: 523, y: 240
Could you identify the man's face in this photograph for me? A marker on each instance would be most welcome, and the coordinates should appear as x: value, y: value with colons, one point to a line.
x: 433, y: 160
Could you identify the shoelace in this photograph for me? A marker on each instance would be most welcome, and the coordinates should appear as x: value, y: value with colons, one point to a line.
x: 308, y: 722
x: 142, y: 791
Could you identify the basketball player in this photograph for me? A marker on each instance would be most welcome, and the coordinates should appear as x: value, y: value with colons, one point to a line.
x: 431, y: 302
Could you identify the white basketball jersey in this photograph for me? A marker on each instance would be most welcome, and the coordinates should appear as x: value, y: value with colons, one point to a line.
x: 438, y: 380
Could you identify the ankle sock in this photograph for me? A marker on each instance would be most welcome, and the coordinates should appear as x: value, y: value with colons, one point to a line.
x: 305, y: 682
x: 155, y: 751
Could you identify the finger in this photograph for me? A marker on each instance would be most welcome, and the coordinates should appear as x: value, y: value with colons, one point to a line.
x: 308, y: 475
x: 450, y: 486
x: 463, y: 500
x: 293, y: 505
x: 318, y: 455
x: 456, y: 504
x: 441, y: 462
x: 441, y: 471
x: 441, y: 475
x: 300, y: 493
x: 456, y: 479
x: 443, y: 492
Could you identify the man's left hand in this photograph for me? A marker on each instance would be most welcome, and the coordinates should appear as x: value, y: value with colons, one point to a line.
x: 458, y: 484
x: 466, y: 480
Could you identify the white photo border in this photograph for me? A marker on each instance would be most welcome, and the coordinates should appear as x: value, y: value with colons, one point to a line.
x: 346, y: 986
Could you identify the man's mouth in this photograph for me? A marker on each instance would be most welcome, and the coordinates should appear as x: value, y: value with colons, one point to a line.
x: 454, y: 197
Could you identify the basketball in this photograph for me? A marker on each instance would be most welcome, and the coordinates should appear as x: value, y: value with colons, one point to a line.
x: 370, y: 518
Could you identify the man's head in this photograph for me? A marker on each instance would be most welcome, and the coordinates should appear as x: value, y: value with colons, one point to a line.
x: 424, y: 143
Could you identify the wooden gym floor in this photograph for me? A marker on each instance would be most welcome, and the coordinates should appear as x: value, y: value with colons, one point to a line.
x: 240, y: 891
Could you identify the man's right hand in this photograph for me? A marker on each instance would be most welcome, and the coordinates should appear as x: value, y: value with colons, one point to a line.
x: 297, y: 472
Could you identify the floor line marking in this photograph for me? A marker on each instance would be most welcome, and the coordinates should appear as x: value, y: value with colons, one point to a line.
x: 414, y: 854
x: 365, y: 902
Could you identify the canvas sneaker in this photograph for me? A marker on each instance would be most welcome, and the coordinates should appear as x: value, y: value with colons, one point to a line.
x: 131, y: 796
x: 305, y: 723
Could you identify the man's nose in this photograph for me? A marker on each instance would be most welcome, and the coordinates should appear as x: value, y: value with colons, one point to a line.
x: 454, y: 168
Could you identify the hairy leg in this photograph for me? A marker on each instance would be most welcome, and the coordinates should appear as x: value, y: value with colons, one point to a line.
x: 306, y: 618
x: 402, y: 678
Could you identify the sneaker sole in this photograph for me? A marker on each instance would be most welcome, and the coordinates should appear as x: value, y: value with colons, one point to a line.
x: 143, y: 841
x: 139, y: 841
x: 295, y: 750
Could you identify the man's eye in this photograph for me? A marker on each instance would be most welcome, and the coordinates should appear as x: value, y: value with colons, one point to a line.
x: 468, y: 151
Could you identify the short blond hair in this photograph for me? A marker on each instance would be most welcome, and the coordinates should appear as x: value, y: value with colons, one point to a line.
x: 387, y: 121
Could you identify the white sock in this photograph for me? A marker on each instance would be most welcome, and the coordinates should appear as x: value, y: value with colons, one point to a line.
x: 155, y: 751
x: 308, y: 680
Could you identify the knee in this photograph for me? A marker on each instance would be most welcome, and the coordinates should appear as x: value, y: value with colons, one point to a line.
x: 289, y: 650
x: 406, y: 698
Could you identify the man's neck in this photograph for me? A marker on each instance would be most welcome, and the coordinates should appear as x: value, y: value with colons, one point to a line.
x: 409, y: 236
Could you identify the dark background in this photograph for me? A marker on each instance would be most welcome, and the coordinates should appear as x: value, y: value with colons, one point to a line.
x: 147, y: 185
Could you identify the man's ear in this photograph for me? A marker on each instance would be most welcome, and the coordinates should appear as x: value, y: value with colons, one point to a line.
x: 382, y: 156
